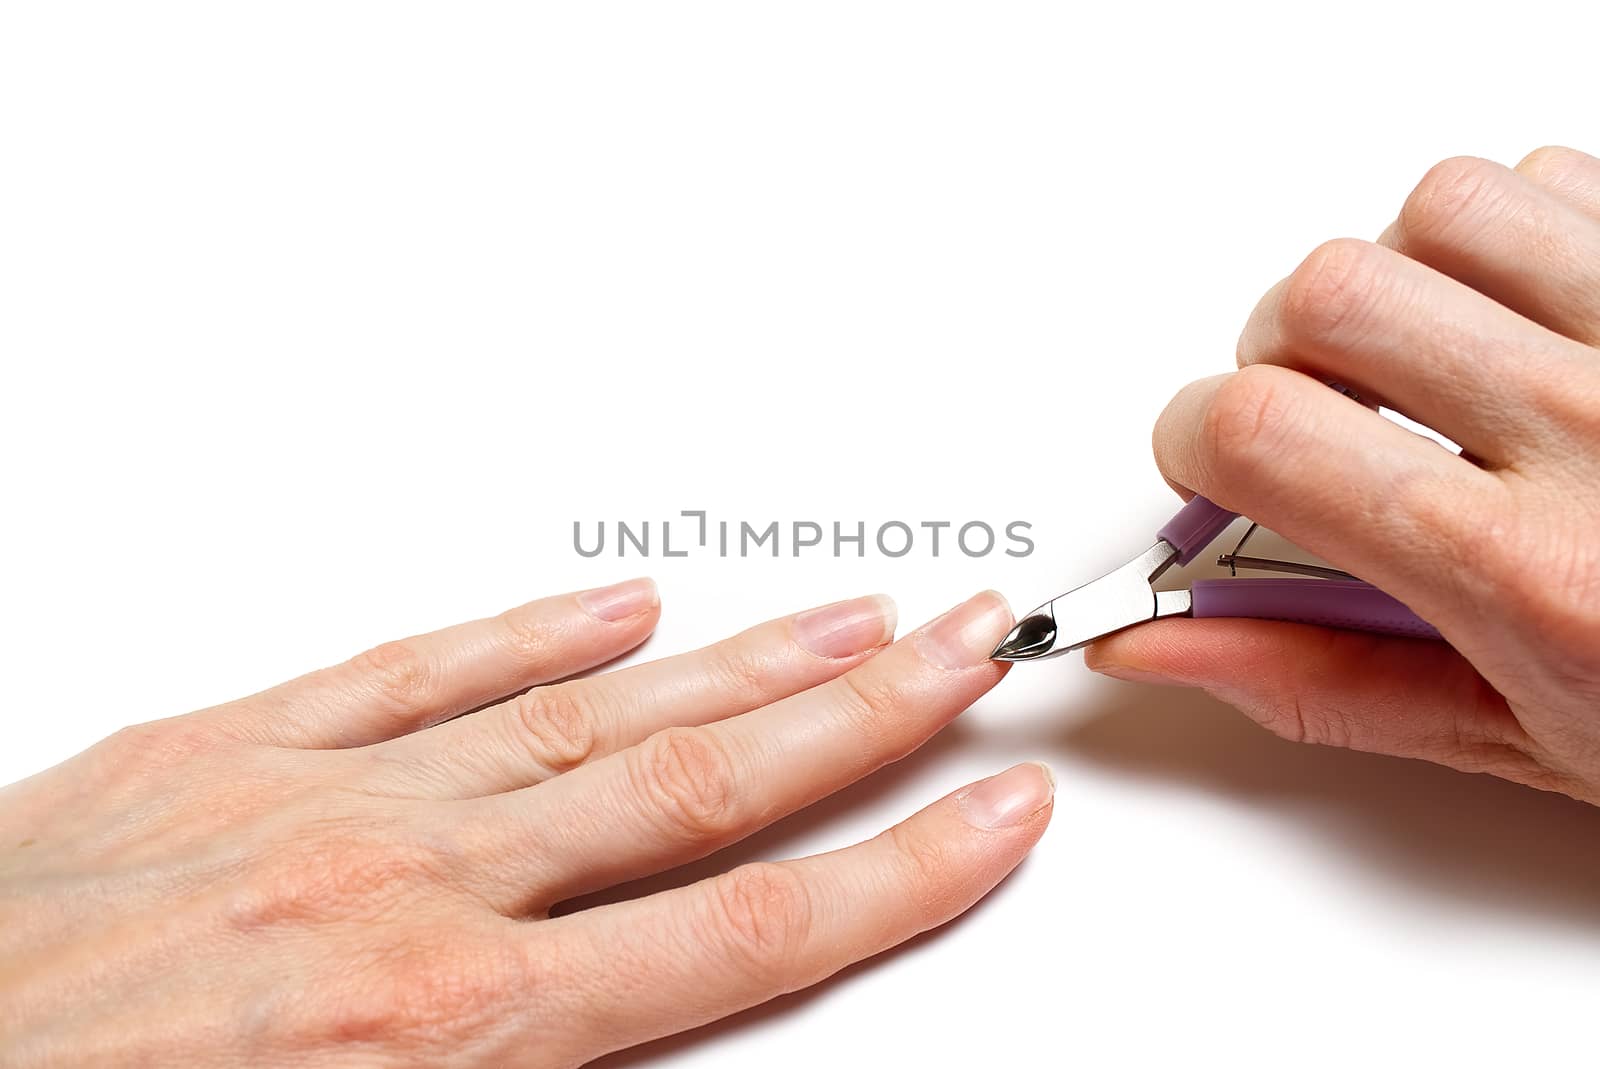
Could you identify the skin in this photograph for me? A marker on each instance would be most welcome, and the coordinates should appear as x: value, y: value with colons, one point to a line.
x: 335, y: 871
x: 1476, y: 313
x: 348, y: 870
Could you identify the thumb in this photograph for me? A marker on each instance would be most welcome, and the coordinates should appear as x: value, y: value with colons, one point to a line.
x: 1405, y: 697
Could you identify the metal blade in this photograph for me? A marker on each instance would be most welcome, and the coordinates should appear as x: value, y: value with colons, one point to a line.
x: 1110, y: 603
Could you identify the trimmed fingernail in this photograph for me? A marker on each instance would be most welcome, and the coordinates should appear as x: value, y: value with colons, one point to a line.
x: 846, y: 627
x: 967, y: 634
x: 612, y: 603
x: 1008, y: 799
x: 1130, y: 674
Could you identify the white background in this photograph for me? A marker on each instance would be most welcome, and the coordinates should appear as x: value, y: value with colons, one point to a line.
x: 322, y: 323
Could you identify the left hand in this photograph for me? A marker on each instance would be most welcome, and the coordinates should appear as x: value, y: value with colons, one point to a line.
x: 344, y: 871
x: 1477, y: 313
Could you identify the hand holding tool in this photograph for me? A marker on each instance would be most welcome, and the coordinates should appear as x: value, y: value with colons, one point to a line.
x: 1125, y: 596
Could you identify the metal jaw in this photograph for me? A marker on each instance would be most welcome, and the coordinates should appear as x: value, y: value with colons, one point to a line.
x: 1116, y: 600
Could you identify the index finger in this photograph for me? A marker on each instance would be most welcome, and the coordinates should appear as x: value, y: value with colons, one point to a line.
x: 1340, y: 480
x: 682, y: 957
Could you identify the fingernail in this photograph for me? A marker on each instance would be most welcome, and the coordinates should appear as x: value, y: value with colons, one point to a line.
x: 968, y: 633
x: 1008, y: 799
x: 846, y: 627
x: 1130, y: 674
x: 612, y: 603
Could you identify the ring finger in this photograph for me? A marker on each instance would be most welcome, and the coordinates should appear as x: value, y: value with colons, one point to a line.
x: 402, y: 686
x: 553, y: 729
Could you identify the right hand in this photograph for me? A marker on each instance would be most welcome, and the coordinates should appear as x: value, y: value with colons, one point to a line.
x: 1478, y: 314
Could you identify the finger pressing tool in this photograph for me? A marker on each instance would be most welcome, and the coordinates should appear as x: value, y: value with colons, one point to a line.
x: 1126, y: 596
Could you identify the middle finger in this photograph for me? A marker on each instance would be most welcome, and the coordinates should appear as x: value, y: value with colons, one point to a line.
x: 552, y: 729
x: 688, y: 791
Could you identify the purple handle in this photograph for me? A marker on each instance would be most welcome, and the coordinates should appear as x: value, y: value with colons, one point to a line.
x: 1343, y: 603
x: 1195, y: 525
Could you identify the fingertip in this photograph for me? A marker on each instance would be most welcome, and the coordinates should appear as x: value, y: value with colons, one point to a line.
x: 1050, y: 777
x: 891, y: 615
x: 1002, y: 604
x: 1172, y: 439
x: 1042, y: 816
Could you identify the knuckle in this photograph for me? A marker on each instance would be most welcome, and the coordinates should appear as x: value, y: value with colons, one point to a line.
x: 688, y: 776
x: 869, y: 707
x: 1332, y: 291
x: 928, y: 867
x: 762, y: 914
x: 159, y: 744
x: 1455, y: 201
x: 529, y: 633
x: 555, y: 727
x: 738, y: 673
x: 1249, y: 417
x: 401, y: 676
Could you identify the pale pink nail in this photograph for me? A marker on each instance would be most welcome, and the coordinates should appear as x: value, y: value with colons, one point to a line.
x: 968, y: 633
x: 612, y: 603
x: 1008, y: 799
x: 846, y: 627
